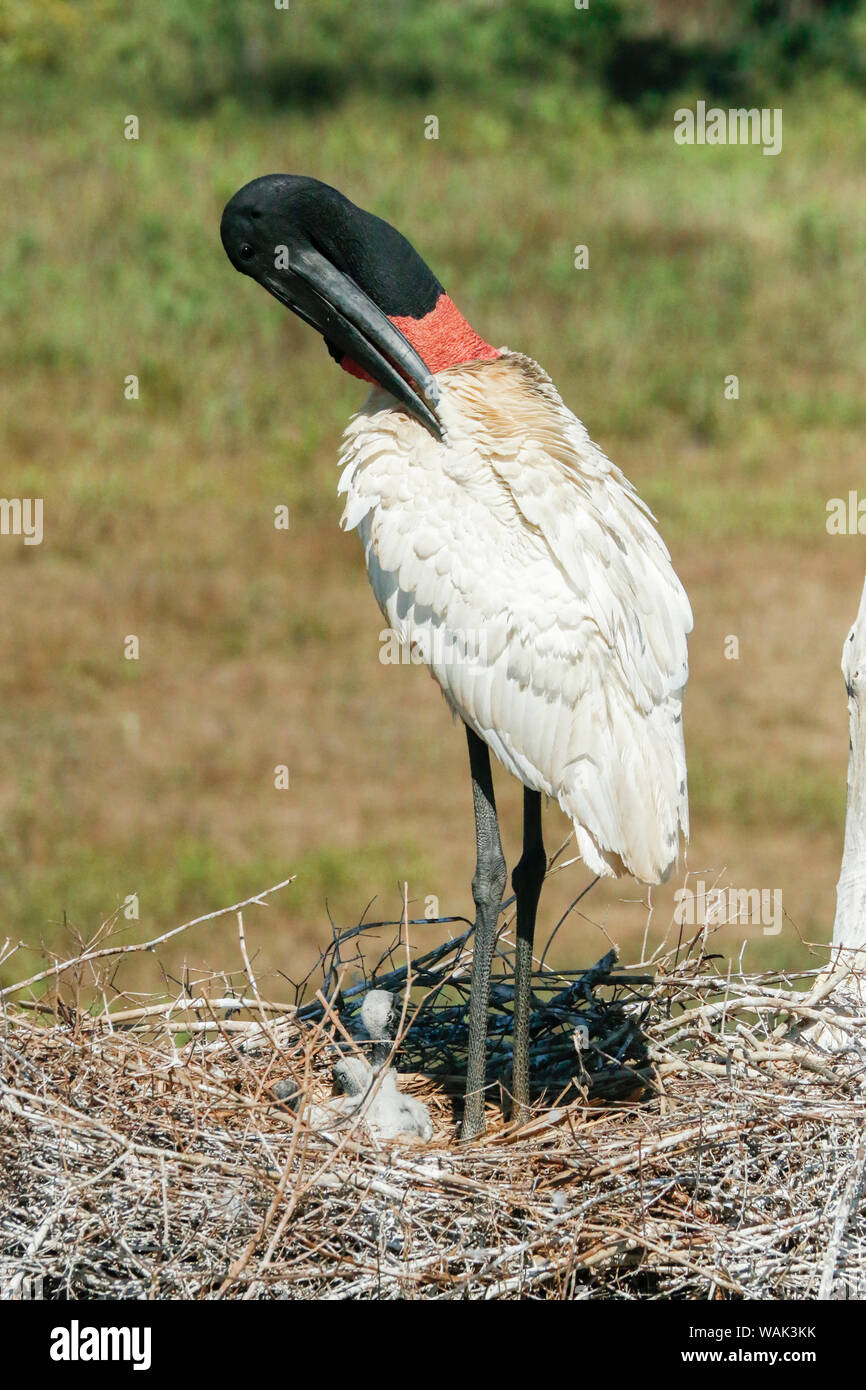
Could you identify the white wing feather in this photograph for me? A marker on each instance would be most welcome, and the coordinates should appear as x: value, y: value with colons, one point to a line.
x: 528, y: 572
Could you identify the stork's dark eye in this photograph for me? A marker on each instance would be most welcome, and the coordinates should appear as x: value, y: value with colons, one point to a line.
x: 246, y: 252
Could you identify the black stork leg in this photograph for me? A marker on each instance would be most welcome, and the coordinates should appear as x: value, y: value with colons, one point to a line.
x: 526, y: 880
x: 488, y: 886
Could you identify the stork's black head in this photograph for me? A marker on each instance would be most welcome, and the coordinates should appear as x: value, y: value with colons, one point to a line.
x: 344, y: 271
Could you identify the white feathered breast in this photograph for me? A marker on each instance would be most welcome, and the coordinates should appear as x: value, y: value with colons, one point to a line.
x: 528, y: 573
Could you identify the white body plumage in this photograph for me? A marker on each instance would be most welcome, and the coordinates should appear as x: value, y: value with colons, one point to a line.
x: 528, y: 572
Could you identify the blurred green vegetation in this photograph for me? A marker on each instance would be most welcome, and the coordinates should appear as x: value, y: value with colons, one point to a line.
x: 555, y: 130
x: 192, y: 53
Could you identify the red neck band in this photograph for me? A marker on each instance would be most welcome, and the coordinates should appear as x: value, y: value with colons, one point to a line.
x: 442, y: 338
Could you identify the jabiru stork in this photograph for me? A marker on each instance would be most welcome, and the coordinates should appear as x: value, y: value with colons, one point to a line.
x: 502, y: 544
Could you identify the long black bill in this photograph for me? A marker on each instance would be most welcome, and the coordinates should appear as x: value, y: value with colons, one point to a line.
x: 334, y: 305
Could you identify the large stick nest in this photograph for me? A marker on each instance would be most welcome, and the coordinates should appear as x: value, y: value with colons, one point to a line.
x: 692, y: 1138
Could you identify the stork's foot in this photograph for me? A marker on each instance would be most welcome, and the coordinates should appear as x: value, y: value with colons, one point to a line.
x: 521, y: 1114
x: 474, y: 1123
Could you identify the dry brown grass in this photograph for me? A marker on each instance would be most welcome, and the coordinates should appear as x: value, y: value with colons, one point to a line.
x: 186, y: 753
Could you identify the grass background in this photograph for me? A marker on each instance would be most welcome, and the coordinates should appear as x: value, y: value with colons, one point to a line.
x: 260, y: 647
